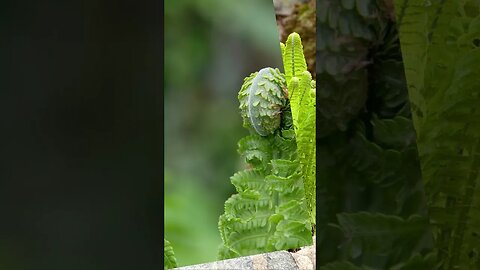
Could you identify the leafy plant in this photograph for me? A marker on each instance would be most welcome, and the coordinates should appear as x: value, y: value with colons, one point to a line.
x: 271, y: 210
x: 372, y: 212
x: 169, y: 260
x: 302, y: 101
x: 441, y: 44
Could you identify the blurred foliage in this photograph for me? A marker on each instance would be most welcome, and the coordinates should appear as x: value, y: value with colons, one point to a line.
x: 188, y: 223
x: 441, y: 44
x: 371, y: 205
x: 209, y: 47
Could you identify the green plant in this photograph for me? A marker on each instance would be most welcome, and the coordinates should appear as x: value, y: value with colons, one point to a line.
x: 441, y: 46
x: 273, y: 207
x: 302, y: 91
x: 370, y: 182
x: 299, y: 16
x: 372, y: 212
x: 169, y: 260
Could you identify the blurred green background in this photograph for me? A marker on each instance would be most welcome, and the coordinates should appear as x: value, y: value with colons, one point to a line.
x: 210, y: 47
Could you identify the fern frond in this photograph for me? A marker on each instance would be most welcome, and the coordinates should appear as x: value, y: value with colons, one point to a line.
x: 388, y: 235
x: 270, y: 201
x: 418, y: 261
x: 250, y: 222
x: 269, y: 212
x: 302, y: 103
x: 294, y: 60
x: 368, y: 156
x: 248, y: 180
x: 440, y: 48
x: 169, y: 260
x: 255, y: 150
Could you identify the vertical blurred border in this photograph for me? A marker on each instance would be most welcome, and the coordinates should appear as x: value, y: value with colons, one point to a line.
x: 210, y: 47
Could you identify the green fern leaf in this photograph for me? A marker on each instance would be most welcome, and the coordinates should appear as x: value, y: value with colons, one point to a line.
x: 441, y: 53
x: 293, y: 58
x: 270, y: 210
x: 255, y: 150
x: 302, y: 103
x: 169, y: 260
x: 418, y: 261
x: 389, y: 235
x: 267, y: 212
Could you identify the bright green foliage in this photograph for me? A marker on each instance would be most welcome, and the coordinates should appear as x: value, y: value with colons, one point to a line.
x: 294, y: 62
x: 270, y: 211
x: 441, y: 44
x: 372, y: 212
x: 169, y: 260
x: 301, y: 90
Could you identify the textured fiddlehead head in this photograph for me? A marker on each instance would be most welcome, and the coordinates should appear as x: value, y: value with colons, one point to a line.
x: 262, y: 99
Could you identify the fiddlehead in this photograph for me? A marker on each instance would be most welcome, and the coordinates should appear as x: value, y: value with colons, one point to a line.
x: 262, y: 99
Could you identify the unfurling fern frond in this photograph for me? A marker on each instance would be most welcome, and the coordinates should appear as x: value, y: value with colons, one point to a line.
x: 262, y: 99
x: 302, y: 103
x: 294, y: 61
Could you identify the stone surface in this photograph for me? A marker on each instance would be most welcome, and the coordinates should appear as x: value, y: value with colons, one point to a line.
x: 304, y: 259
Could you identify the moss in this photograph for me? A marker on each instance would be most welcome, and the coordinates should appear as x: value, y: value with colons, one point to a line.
x: 302, y: 21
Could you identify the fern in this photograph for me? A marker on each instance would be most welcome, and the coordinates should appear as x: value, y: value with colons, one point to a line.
x: 371, y: 203
x: 270, y: 210
x: 169, y: 260
x: 441, y: 43
x: 392, y: 238
x: 302, y: 101
x: 294, y: 61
